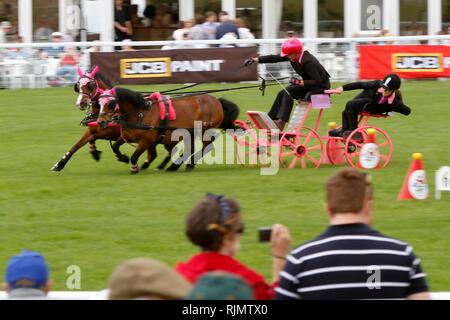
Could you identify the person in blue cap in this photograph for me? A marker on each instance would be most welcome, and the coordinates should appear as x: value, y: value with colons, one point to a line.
x: 27, y: 276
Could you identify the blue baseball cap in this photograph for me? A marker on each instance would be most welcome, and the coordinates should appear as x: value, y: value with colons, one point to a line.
x: 27, y: 265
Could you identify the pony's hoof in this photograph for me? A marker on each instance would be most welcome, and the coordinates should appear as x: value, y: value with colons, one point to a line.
x: 189, y: 167
x: 145, y: 165
x: 134, y: 169
x: 123, y: 158
x: 96, y: 155
x: 161, y: 166
x: 172, y: 168
x: 57, y: 167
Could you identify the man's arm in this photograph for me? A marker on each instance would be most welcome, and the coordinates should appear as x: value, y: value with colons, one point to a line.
x: 361, y: 85
x: 419, y: 296
x: 418, y: 286
x: 272, y: 58
x: 288, y: 284
x: 402, y: 108
x: 129, y: 28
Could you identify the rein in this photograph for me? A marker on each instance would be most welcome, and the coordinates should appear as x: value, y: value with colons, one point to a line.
x: 261, y: 86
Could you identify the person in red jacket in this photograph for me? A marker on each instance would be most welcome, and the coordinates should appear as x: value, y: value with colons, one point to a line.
x: 215, y: 225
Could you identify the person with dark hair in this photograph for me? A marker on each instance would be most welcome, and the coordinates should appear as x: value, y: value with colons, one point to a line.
x: 43, y: 32
x: 215, y: 225
x: 210, y: 25
x: 163, y: 17
x: 226, y: 26
x: 122, y: 22
x: 315, y: 79
x: 377, y: 97
x: 350, y: 260
x: 150, y: 11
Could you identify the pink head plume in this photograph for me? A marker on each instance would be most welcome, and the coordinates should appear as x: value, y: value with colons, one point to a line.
x: 94, y: 72
x: 79, y: 71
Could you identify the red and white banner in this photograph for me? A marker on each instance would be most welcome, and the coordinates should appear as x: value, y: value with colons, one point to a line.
x: 410, y: 61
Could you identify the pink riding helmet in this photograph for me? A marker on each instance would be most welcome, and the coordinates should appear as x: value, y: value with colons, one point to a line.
x: 290, y: 46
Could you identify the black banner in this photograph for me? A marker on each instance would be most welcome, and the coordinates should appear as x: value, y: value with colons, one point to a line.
x: 176, y: 66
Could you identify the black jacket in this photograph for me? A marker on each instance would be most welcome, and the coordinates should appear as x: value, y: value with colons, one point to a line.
x: 371, y: 94
x: 312, y: 72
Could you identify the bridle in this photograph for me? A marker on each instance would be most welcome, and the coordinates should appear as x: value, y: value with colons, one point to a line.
x: 91, y: 84
x: 116, y: 110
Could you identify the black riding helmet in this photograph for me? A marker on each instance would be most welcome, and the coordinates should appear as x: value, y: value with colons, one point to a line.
x: 392, y: 82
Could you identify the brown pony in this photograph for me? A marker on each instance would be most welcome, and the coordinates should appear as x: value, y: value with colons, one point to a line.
x: 141, y: 122
x: 89, y: 87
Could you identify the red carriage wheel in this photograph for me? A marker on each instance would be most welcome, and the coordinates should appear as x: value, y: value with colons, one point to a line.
x: 335, y: 149
x: 302, y: 148
x: 376, y: 153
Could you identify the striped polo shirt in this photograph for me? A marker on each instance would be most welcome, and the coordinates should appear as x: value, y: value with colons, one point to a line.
x: 351, y: 261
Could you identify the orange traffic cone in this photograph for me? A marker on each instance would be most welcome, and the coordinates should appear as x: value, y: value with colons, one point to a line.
x: 415, y: 184
x: 371, y: 133
x: 369, y: 157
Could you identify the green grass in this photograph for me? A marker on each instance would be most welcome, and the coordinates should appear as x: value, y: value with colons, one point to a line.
x: 96, y: 214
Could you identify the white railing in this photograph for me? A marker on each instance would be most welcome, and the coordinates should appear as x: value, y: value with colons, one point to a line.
x: 103, y: 295
x: 338, y: 55
x: 228, y: 41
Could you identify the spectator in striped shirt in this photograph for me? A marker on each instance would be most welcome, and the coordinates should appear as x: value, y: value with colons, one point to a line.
x: 350, y: 260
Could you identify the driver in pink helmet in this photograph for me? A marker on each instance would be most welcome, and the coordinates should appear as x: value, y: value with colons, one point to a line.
x: 315, y: 79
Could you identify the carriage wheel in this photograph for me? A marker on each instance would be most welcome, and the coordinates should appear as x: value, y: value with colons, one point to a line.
x: 354, y: 147
x: 335, y: 150
x: 303, y: 149
x: 251, y: 150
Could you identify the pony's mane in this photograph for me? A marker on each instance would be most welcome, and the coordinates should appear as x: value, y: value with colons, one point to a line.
x: 135, y: 98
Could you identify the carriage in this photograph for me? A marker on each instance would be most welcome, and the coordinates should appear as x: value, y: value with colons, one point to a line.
x: 302, y: 146
x: 259, y: 141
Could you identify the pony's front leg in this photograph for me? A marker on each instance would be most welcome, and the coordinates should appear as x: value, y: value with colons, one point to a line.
x: 151, y: 155
x: 208, y: 146
x: 87, y: 136
x: 116, y: 149
x: 135, y: 157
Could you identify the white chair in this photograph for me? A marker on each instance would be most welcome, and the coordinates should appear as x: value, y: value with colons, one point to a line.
x: 39, y: 71
x: 15, y: 73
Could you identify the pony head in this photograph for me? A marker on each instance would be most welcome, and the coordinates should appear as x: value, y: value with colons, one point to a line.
x: 87, y: 88
x: 109, y: 107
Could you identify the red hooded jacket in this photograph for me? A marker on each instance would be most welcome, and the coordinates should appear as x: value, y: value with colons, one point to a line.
x: 213, y: 261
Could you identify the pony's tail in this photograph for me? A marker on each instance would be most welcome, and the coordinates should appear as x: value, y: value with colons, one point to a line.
x: 230, y: 113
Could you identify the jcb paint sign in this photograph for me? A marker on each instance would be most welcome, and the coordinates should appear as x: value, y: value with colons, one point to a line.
x: 417, y: 62
x: 176, y: 66
x: 163, y: 67
x: 145, y: 68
